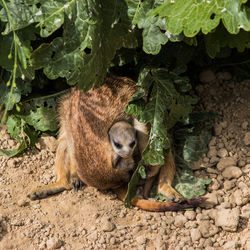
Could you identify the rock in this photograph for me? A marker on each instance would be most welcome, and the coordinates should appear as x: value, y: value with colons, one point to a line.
x: 159, y: 243
x: 211, y: 201
x: 180, y: 220
x: 112, y: 240
x: 107, y: 226
x: 246, y: 169
x: 169, y: 220
x: 207, y: 76
x: 222, y: 153
x: 54, y: 243
x: 228, y: 185
x: 231, y: 245
x: 22, y: 202
x: 241, y: 163
x: 245, y: 211
x: 12, y: 163
x: 244, y: 188
x: 223, y: 124
x: 190, y: 215
x: 238, y: 198
x: 225, y: 162
x: 227, y: 219
x: 225, y: 205
x: 93, y: 236
x: 232, y: 172
x: 141, y: 239
x: 11, y: 143
x: 244, y: 125
x: 248, y: 245
x: 47, y: 142
x: 214, y: 159
x: 208, y: 229
x: 215, y: 185
x: 195, y: 234
x: 212, y: 152
x: 218, y: 129
x: 247, y: 139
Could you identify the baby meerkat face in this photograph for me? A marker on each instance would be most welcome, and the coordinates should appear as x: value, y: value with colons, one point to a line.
x: 122, y: 136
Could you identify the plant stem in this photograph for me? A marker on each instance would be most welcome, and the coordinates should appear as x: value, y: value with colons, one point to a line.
x: 12, y: 79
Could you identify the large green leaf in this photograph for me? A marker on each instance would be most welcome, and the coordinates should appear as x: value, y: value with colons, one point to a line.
x: 192, y: 16
x: 91, y: 37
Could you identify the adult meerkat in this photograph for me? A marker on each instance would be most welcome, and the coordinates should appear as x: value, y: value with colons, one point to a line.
x: 84, y: 150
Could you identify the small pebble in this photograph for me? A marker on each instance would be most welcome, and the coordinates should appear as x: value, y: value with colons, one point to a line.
x: 222, y: 153
x: 232, y: 172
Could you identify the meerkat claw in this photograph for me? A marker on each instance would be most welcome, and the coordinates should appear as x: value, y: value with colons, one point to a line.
x: 77, y: 184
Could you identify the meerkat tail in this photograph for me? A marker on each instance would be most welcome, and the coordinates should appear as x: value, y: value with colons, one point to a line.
x: 48, y: 190
x: 158, y: 206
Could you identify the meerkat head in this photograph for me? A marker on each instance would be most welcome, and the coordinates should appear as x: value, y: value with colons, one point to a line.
x: 122, y: 136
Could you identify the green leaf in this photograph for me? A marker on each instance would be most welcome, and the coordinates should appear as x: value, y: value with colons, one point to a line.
x: 15, y: 127
x: 180, y: 109
x: 132, y: 185
x: 22, y: 12
x: 190, y: 144
x: 19, y: 130
x: 40, y: 113
x: 90, y: 40
x: 154, y: 31
x: 153, y: 36
x: 142, y: 172
x: 10, y: 99
x: 190, y: 186
x: 14, y: 152
x: 157, y: 86
x: 192, y: 16
x: 24, y: 50
x: 197, y: 117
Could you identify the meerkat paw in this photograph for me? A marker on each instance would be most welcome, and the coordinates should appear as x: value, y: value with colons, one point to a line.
x: 76, y: 183
x: 170, y: 193
x: 38, y: 194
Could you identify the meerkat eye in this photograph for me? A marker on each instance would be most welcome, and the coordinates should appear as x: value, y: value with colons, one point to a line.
x: 132, y: 144
x: 118, y: 145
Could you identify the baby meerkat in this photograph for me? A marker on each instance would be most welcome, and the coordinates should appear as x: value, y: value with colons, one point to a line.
x: 96, y: 146
x: 123, y: 138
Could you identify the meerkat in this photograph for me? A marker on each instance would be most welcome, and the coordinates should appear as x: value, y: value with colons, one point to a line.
x: 123, y: 138
x: 87, y: 150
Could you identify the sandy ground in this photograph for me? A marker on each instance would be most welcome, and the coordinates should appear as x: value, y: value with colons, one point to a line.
x: 90, y: 219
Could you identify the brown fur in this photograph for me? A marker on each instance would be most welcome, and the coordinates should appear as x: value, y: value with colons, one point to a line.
x: 84, y: 151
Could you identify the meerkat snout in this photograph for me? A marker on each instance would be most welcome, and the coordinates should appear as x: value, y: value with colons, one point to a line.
x: 122, y: 136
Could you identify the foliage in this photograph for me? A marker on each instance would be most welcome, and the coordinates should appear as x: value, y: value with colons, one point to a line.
x: 191, y: 142
x: 46, y: 42
x: 163, y: 108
